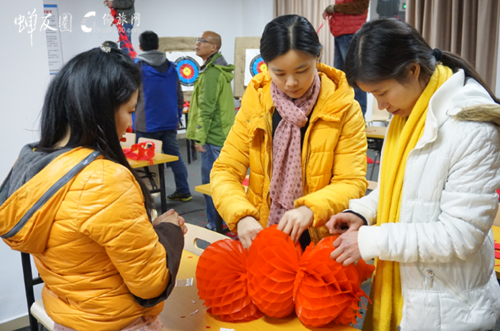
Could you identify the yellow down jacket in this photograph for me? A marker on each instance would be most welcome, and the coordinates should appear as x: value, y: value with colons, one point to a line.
x: 92, y: 243
x: 333, y: 155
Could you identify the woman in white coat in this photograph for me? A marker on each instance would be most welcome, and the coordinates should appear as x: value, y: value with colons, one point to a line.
x: 428, y: 224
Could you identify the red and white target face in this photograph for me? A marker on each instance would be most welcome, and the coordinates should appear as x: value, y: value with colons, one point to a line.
x: 188, y: 70
x: 257, y: 65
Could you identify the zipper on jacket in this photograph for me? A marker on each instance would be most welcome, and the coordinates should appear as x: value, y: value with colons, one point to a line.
x: 431, y: 275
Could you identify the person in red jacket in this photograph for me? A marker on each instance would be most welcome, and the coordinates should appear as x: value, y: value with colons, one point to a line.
x: 346, y: 17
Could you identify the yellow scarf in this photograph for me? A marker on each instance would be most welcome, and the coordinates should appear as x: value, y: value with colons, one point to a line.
x: 402, y: 137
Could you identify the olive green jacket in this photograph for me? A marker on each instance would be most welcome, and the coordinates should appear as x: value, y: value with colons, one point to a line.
x: 211, y: 114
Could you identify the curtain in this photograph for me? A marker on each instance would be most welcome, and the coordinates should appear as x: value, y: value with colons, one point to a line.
x: 312, y: 10
x: 468, y: 28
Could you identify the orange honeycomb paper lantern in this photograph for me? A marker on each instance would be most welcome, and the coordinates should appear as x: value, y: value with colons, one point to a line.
x: 272, y: 263
x: 221, y: 277
x: 326, y: 291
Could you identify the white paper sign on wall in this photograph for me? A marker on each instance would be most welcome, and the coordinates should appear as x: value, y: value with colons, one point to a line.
x: 54, y: 47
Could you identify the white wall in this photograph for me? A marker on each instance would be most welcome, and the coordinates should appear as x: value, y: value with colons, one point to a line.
x: 171, y: 18
x: 25, y: 74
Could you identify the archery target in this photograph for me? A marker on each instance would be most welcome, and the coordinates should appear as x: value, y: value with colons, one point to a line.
x: 188, y: 67
x: 188, y: 70
x: 254, y: 64
x: 257, y: 65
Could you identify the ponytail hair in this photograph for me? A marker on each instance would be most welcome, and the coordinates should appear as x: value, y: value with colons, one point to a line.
x: 384, y: 49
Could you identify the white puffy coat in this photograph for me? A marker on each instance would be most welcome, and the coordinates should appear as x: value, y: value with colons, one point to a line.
x: 443, y: 240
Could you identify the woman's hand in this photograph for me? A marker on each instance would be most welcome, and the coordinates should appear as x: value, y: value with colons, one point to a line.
x: 295, y: 221
x: 248, y: 228
x: 344, y: 222
x: 171, y: 217
x: 347, y: 250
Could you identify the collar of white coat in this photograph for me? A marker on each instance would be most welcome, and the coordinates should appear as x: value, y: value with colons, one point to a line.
x: 456, y: 93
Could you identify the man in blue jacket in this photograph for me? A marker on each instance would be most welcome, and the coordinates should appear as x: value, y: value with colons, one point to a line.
x: 159, y: 107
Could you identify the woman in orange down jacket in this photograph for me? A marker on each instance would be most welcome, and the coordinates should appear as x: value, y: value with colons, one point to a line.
x: 74, y: 203
x: 302, y: 135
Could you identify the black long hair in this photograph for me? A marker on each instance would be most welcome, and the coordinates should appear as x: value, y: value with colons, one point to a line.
x: 383, y: 49
x: 84, y: 97
x: 288, y: 32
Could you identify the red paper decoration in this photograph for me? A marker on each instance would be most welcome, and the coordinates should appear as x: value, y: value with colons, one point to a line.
x: 326, y: 291
x: 274, y: 278
x: 272, y: 265
x: 222, y: 281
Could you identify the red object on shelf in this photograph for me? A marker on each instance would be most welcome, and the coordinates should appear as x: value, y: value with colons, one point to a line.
x: 326, y: 291
x: 273, y: 261
x: 222, y: 281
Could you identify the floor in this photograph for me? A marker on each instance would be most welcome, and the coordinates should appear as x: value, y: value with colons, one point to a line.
x: 194, y: 210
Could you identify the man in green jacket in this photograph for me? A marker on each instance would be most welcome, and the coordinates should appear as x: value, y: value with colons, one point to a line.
x: 211, y: 113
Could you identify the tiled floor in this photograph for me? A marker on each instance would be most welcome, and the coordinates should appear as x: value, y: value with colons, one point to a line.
x: 194, y: 210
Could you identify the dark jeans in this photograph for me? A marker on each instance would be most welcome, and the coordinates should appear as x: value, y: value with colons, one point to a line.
x: 341, y: 46
x: 207, y: 162
x: 171, y: 147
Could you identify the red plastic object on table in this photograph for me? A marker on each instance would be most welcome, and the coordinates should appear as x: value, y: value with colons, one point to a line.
x: 222, y: 281
x: 141, y: 151
x: 326, y: 291
x: 273, y: 261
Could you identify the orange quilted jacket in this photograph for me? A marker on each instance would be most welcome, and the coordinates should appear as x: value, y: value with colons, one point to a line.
x: 92, y: 243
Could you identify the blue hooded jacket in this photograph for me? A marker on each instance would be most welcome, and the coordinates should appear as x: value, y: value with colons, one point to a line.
x: 159, y: 106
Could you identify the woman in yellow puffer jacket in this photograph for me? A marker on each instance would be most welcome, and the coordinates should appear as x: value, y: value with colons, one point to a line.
x: 73, y: 202
x: 302, y: 135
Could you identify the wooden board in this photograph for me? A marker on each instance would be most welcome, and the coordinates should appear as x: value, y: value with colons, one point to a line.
x: 377, y: 132
x: 240, y: 46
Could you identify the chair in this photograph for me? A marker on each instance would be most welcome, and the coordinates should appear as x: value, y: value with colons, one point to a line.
x: 158, y: 143
x: 378, y: 115
x: 37, y: 313
x: 196, y: 233
x: 148, y: 174
x: 127, y: 140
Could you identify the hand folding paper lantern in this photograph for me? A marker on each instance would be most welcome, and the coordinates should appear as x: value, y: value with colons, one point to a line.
x: 272, y: 265
x: 274, y: 278
x: 326, y: 291
x: 221, y: 279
